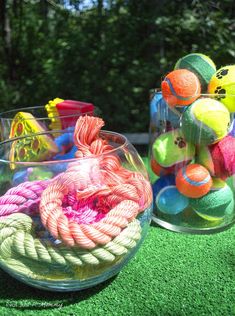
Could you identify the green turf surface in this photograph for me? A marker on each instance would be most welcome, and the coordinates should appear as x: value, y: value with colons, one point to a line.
x: 171, y: 274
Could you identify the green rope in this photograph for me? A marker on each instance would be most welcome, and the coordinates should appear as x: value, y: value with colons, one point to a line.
x: 20, y: 249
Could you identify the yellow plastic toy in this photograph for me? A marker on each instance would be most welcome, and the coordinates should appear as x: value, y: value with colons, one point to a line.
x: 31, y: 148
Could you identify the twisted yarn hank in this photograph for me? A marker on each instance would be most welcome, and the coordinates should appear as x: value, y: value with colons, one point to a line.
x: 97, y: 174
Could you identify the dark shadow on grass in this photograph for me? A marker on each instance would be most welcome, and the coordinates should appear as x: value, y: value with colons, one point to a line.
x: 21, y: 296
x: 229, y: 259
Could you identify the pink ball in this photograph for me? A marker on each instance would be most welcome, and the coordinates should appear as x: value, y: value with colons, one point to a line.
x: 219, y: 158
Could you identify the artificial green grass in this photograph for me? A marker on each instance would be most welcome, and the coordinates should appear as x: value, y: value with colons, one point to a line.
x: 171, y: 274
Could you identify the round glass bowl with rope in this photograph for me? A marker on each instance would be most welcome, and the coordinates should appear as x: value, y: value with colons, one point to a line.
x: 192, y: 163
x: 66, y: 225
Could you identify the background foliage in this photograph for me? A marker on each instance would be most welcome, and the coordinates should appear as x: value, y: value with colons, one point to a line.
x: 106, y: 52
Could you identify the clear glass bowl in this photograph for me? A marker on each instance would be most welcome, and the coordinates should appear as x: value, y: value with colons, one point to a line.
x: 191, y: 156
x: 37, y: 119
x: 66, y: 225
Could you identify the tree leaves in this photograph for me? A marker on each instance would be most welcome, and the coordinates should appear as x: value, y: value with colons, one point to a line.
x: 110, y: 53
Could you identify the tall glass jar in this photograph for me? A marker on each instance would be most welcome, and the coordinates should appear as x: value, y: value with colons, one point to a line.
x: 192, y: 157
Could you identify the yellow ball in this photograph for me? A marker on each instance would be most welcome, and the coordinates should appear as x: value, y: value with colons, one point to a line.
x: 205, y: 122
x: 222, y: 84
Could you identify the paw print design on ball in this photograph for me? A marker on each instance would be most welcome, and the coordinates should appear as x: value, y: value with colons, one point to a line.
x: 180, y: 142
x: 221, y: 73
x: 221, y: 91
x: 223, y: 82
x: 170, y: 149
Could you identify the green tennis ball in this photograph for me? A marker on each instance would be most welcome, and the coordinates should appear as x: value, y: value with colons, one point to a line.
x: 205, y: 122
x: 170, y: 149
x: 201, y: 65
x: 216, y: 204
x: 222, y: 84
x: 203, y: 157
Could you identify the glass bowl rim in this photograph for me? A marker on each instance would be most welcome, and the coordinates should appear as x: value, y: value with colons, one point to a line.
x: 49, y: 117
x: 124, y: 143
x: 207, y: 94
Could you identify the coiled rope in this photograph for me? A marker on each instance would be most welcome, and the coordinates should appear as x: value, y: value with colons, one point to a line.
x: 91, y: 209
x: 126, y: 193
x: 23, y: 198
x: 18, y: 238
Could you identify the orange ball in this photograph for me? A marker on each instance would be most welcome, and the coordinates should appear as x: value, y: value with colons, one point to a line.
x: 180, y: 87
x: 193, y: 181
x: 159, y: 170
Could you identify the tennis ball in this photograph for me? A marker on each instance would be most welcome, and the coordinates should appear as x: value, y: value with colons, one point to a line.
x: 167, y: 197
x: 216, y: 204
x: 201, y: 65
x: 219, y: 158
x: 162, y: 116
x: 222, y: 84
x: 159, y: 170
x: 206, y: 121
x: 193, y: 181
x: 153, y: 103
x: 170, y: 149
x: 180, y: 87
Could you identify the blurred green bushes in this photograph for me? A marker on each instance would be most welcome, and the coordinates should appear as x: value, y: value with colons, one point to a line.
x: 110, y: 53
